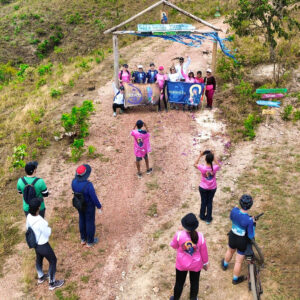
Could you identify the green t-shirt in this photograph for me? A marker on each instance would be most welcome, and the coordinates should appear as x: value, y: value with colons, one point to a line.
x: 40, y: 186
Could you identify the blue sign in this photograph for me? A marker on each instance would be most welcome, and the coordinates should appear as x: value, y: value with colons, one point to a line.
x: 185, y: 93
x: 269, y: 103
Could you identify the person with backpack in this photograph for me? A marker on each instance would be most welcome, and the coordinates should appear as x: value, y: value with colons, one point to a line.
x: 191, y: 256
x: 208, y: 184
x: 37, y: 236
x: 124, y: 75
x: 119, y: 99
x: 139, y: 76
x: 242, y: 230
x: 141, y: 146
x: 31, y: 187
x: 151, y: 74
x: 85, y: 201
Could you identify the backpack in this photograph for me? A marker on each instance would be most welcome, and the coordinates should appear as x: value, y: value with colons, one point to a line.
x: 78, y: 200
x: 116, y: 95
x: 29, y: 190
x: 30, y: 238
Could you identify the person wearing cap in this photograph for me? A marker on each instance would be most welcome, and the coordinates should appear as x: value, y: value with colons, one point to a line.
x: 151, y: 74
x: 119, y: 99
x: 124, y: 75
x: 43, y: 249
x: 161, y: 78
x: 39, y: 186
x: 80, y: 184
x: 139, y: 76
x: 191, y: 256
x: 182, y: 66
x: 210, y: 88
x: 141, y: 146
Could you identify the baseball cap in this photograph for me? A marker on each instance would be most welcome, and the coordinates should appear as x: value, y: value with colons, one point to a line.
x: 161, y: 68
x: 30, y: 167
x: 208, y: 70
x: 140, y: 67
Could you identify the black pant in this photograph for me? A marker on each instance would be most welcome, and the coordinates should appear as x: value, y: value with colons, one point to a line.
x: 46, y: 251
x: 180, y: 280
x: 115, y: 106
x: 41, y: 213
x: 164, y: 99
x: 207, y: 197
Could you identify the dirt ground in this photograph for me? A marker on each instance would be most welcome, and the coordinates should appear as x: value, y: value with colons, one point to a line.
x: 133, y: 259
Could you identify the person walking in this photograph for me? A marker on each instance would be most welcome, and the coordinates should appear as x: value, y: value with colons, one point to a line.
x: 208, y: 184
x: 191, y: 256
x: 38, y: 184
x: 243, y: 229
x: 141, y: 146
x: 119, y: 99
x: 43, y: 249
x: 80, y: 184
x: 211, y: 85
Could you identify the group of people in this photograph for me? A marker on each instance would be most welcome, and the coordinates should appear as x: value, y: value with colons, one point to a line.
x: 178, y: 72
x: 190, y: 244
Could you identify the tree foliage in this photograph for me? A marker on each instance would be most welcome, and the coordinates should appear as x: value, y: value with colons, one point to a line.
x: 271, y: 18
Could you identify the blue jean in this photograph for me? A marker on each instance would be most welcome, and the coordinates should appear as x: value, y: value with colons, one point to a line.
x: 87, y: 226
x: 207, y: 197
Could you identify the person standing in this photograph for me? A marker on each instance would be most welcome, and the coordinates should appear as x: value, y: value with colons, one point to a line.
x: 43, y: 249
x: 124, y: 75
x: 182, y: 65
x: 151, y: 74
x: 38, y: 184
x: 141, y: 146
x: 119, y: 100
x: 161, y: 78
x: 139, y: 76
x: 243, y: 229
x: 191, y: 256
x: 80, y: 184
x: 211, y: 85
x: 208, y: 184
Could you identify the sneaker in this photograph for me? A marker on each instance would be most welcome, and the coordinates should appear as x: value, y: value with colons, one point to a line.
x: 89, y: 245
x: 56, y: 284
x: 139, y: 175
x: 149, y: 171
x: 207, y: 222
x: 115, y: 114
x: 43, y: 278
x: 224, y: 268
x: 82, y: 242
x: 239, y: 280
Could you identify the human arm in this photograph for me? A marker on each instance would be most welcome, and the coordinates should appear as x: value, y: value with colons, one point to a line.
x: 204, y: 252
x: 145, y: 125
x: 115, y: 88
x: 188, y: 62
x: 19, y: 189
x: 251, y: 228
x: 43, y: 188
x: 174, y: 243
x: 214, y: 82
x: 93, y: 196
x: 185, y: 76
x: 198, y: 159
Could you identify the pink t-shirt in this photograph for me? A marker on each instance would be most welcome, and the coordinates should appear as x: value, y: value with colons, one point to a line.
x: 141, y: 142
x: 208, y: 179
x: 190, y: 257
x: 125, y: 76
x: 199, y: 80
x: 187, y: 78
x: 161, y: 78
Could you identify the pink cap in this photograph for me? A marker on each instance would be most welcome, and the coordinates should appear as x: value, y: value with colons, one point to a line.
x: 161, y: 68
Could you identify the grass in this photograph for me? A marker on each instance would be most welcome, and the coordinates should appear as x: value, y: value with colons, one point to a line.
x: 152, y: 210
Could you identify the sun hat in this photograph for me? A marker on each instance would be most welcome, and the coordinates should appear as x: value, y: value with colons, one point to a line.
x: 161, y: 68
x: 83, y: 172
x: 190, y: 222
x: 140, y: 67
x: 30, y: 167
x: 208, y: 70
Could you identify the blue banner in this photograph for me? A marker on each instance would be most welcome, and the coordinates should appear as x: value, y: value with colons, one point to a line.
x: 185, y: 93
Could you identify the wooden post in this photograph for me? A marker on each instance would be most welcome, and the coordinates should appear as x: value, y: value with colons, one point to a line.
x: 116, y: 60
x: 214, y: 57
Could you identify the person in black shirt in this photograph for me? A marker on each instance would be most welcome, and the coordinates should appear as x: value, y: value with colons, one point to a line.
x: 210, y: 82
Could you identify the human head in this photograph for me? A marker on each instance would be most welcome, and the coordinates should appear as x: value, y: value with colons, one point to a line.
x: 190, y: 222
x: 34, y: 206
x: 152, y: 66
x: 181, y: 60
x: 31, y: 167
x: 122, y: 89
x: 172, y: 70
x: 208, y: 72
x: 246, y: 202
x: 161, y: 69
x: 140, y: 68
x: 199, y: 74
x: 139, y: 124
x: 125, y: 67
x: 83, y: 172
x: 191, y: 75
x: 209, y: 158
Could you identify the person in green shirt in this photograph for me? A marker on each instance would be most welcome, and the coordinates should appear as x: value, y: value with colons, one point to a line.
x: 39, y: 186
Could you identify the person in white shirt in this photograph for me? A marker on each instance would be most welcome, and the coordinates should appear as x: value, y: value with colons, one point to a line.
x: 182, y: 66
x: 173, y: 75
x: 118, y: 99
x: 43, y: 249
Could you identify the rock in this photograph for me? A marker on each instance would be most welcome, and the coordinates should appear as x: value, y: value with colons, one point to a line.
x: 155, y: 290
x: 91, y: 88
x: 121, y: 289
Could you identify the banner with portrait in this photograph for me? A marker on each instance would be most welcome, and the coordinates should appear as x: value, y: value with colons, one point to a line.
x: 141, y: 94
x: 185, y: 93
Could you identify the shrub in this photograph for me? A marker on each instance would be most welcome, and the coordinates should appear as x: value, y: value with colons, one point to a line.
x: 92, y: 151
x: 42, y: 143
x: 22, y: 69
x: 42, y: 70
x: 55, y: 93
x: 74, y: 19
x: 18, y: 156
x: 41, y: 82
x: 228, y: 69
x: 7, y: 72
x: 77, y: 149
x: 249, y: 125
x: 244, y: 89
x: 287, y: 113
x: 296, y: 116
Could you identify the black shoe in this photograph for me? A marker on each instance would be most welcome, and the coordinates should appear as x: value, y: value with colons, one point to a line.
x: 239, y: 280
x: 43, y: 278
x: 149, y: 171
x: 224, y: 268
x: 56, y: 284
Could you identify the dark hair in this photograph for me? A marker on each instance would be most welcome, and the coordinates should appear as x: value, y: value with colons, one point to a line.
x: 209, y: 159
x: 33, y: 209
x: 139, y: 124
x: 199, y: 72
x: 152, y: 64
x: 194, y: 236
x: 178, y: 58
x: 125, y: 66
x: 192, y: 74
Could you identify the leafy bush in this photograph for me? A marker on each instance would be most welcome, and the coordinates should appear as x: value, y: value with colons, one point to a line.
x: 22, y: 69
x: 74, y: 19
x: 244, y: 89
x: 228, y: 69
x: 77, y: 149
x: 249, y: 125
x: 48, y: 45
x: 55, y: 93
x: 18, y: 156
x: 287, y: 113
x: 42, y: 143
x: 76, y: 121
x: 41, y: 82
x: 7, y: 72
x: 296, y: 116
x: 42, y: 70
x: 37, y: 115
x: 92, y: 151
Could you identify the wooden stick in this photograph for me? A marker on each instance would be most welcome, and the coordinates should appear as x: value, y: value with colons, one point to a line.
x: 214, y: 56
x: 179, y: 31
x: 116, y: 60
x: 134, y: 17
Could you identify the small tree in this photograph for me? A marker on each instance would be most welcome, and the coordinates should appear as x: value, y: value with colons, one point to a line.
x: 270, y: 18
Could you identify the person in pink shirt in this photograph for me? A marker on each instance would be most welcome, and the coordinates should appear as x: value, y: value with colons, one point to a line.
x: 199, y: 78
x: 141, y: 146
x: 188, y: 78
x: 191, y: 256
x: 124, y: 74
x: 208, y: 184
x: 161, y: 79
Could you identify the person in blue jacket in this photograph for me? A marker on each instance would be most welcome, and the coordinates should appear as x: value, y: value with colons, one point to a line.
x: 243, y: 229
x: 80, y: 184
x: 139, y: 76
x: 151, y: 74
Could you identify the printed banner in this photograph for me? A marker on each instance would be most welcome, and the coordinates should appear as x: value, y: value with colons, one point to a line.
x: 185, y: 93
x: 141, y: 94
x: 164, y: 27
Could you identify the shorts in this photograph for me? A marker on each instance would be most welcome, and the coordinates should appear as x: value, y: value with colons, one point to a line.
x: 237, y: 242
x: 140, y: 158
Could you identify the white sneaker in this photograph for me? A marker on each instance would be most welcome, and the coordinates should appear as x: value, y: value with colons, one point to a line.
x: 115, y: 114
